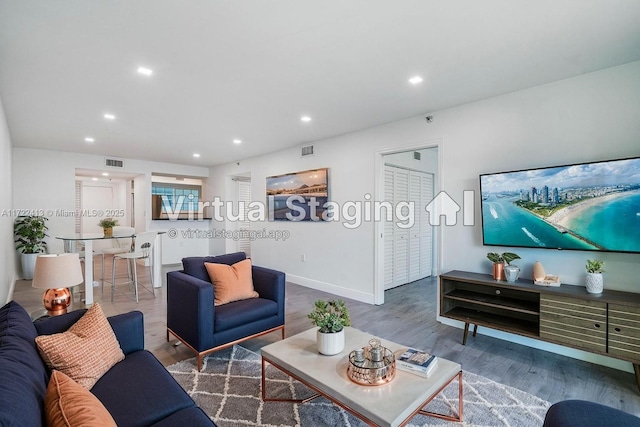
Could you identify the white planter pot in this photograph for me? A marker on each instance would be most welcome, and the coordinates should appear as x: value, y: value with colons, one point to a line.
x: 331, y: 343
x: 28, y: 263
x: 594, y: 283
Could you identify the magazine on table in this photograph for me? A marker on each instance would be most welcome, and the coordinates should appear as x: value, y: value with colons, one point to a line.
x: 416, y: 361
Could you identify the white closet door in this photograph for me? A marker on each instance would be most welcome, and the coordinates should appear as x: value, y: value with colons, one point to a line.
x: 400, y: 235
x: 425, y: 229
x: 415, y: 196
x: 407, y: 252
x: 388, y: 230
x: 244, y: 225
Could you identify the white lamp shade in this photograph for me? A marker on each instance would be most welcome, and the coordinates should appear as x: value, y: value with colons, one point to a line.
x: 55, y: 271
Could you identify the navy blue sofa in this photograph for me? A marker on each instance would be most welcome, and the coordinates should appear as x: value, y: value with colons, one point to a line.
x: 137, y: 391
x: 204, y: 328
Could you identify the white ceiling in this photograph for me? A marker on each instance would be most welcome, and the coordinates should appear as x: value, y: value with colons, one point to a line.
x: 249, y: 69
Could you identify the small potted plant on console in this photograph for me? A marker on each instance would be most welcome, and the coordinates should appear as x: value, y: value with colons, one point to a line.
x: 500, y: 261
x: 595, y: 281
x: 330, y: 317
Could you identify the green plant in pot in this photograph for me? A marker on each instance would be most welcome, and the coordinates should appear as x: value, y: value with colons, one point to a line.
x: 500, y: 261
x: 107, y: 225
x: 330, y: 317
x: 30, y: 232
x: 595, y: 281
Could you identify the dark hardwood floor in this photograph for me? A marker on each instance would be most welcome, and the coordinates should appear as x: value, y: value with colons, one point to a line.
x: 407, y: 317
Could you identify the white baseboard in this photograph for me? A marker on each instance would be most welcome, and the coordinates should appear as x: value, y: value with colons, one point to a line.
x: 598, y: 359
x: 331, y: 288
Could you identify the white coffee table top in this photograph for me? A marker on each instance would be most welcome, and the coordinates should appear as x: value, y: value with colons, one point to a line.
x: 385, y: 405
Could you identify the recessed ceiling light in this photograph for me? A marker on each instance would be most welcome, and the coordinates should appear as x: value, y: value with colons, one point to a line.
x: 415, y: 80
x: 237, y: 141
x: 89, y: 139
x: 305, y: 119
x: 94, y: 179
x: 196, y: 155
x: 105, y: 173
x: 145, y: 71
x: 109, y: 116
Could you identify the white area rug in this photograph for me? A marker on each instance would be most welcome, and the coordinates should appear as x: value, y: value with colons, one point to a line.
x: 228, y: 390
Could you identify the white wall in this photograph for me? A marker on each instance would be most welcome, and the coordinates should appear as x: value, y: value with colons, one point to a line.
x: 590, y: 117
x: 44, y: 179
x: 8, y: 253
x: 586, y: 118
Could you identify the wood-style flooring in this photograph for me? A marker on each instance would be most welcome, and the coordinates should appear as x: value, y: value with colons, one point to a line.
x: 407, y: 317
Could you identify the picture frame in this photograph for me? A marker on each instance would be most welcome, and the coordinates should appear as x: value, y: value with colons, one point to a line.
x: 298, y: 196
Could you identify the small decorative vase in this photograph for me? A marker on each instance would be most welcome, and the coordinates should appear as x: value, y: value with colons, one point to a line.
x: 511, y: 272
x: 594, y: 283
x: 108, y: 231
x: 330, y: 343
x: 498, y: 271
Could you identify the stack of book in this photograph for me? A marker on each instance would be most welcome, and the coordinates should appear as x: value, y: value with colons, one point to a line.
x: 416, y: 361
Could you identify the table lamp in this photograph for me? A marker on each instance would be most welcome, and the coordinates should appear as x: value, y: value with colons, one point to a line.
x: 55, y: 272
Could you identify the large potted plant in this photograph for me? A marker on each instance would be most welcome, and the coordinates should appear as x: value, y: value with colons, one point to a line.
x: 29, y: 232
x: 500, y: 261
x: 330, y: 317
x: 595, y: 281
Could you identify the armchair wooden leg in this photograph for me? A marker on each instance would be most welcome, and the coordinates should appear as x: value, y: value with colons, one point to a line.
x: 200, y: 357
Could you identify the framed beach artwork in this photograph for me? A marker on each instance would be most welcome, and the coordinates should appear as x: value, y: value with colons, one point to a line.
x: 591, y: 206
x: 298, y: 196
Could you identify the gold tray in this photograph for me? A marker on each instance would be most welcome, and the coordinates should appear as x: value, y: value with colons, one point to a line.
x: 370, y: 373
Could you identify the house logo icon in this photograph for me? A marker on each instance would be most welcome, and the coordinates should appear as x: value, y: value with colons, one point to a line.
x: 444, y: 205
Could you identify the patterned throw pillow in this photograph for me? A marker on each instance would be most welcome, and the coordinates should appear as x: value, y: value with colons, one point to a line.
x: 86, y: 351
x: 231, y: 282
x: 68, y: 404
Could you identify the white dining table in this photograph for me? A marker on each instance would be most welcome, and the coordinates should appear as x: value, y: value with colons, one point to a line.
x: 89, y: 238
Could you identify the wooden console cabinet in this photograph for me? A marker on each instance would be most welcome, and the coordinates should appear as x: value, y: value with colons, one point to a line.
x: 607, y: 323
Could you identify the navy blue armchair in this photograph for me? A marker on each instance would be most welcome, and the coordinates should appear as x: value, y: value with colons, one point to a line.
x: 204, y: 328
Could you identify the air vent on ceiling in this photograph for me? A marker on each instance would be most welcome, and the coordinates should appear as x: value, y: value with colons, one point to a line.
x: 114, y: 163
x: 417, y: 155
x: 307, y: 151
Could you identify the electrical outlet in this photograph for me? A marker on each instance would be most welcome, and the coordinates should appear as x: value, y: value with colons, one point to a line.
x: 303, y: 257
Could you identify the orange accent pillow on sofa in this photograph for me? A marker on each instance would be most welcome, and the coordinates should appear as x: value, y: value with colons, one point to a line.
x: 86, y: 351
x: 68, y: 404
x: 231, y: 282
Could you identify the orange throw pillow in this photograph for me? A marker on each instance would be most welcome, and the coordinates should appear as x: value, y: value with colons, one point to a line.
x: 231, y: 282
x: 68, y: 404
x: 86, y: 351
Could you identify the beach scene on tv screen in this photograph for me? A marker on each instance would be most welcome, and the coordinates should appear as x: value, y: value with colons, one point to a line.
x: 591, y: 206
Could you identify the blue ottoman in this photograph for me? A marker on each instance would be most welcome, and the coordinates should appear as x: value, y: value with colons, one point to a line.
x: 580, y: 413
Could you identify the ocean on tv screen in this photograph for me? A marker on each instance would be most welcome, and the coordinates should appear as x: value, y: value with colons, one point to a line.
x: 543, y: 208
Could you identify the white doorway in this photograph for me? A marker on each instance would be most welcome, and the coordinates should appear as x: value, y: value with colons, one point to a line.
x: 405, y: 254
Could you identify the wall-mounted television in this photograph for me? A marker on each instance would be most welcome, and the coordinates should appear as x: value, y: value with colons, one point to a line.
x: 585, y: 206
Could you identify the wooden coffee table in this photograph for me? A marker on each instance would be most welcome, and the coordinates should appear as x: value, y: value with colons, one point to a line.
x: 392, y: 404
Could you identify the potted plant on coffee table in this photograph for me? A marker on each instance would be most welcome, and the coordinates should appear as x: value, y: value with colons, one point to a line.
x: 595, y: 281
x: 330, y: 317
x: 29, y: 232
x: 500, y: 261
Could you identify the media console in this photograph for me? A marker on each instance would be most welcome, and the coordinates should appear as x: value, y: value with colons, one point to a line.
x: 607, y: 323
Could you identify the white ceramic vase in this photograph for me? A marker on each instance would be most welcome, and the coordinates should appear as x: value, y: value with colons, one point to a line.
x: 330, y: 343
x: 594, y: 283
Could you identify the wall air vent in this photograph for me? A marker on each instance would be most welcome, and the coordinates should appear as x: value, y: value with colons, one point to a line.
x: 417, y: 155
x: 307, y: 151
x: 114, y: 163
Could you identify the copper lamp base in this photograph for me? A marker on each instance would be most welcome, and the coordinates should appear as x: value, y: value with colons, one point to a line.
x: 56, y: 301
